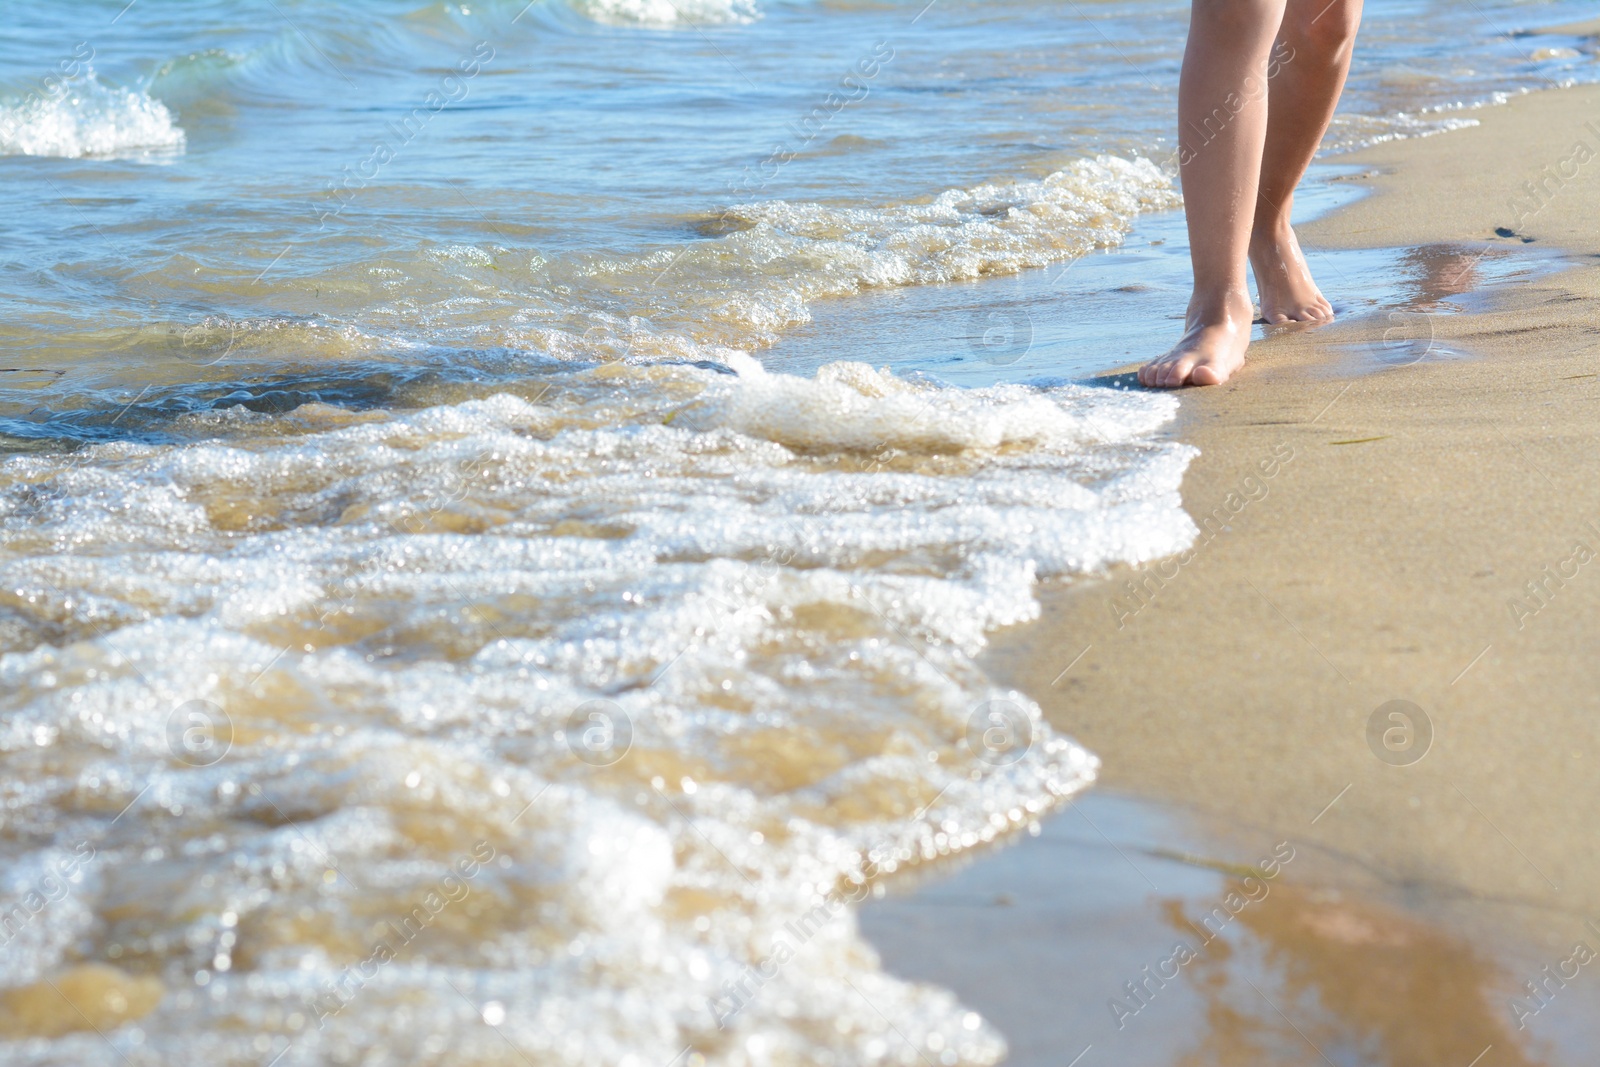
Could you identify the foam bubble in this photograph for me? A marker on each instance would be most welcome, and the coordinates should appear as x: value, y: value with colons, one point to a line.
x: 589, y: 714
x: 85, y: 117
x: 852, y: 407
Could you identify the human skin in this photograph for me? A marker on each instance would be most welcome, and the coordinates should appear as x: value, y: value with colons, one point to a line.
x: 1260, y: 82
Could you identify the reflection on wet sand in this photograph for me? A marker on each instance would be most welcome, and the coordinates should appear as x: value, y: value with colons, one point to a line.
x: 1443, y: 271
x: 1124, y: 934
x: 1318, y: 977
x: 1433, y: 280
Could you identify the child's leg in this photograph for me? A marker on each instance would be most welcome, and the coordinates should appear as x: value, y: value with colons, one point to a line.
x: 1222, y: 128
x: 1309, y: 67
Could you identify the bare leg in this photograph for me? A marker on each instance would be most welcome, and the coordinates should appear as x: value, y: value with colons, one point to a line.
x: 1222, y: 131
x: 1309, y: 67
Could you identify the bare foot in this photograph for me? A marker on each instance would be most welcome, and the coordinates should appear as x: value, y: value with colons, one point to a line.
x: 1284, y: 280
x: 1211, y: 350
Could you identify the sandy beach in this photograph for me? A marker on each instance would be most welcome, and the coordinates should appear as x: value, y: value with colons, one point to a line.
x: 1403, y: 507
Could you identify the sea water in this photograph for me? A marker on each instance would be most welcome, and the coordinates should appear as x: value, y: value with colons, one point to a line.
x: 487, y: 575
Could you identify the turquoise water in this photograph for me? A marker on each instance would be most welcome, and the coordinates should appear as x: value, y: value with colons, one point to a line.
x: 502, y: 503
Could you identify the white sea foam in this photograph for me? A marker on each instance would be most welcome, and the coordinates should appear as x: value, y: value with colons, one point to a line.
x: 743, y: 289
x: 667, y: 13
x: 775, y: 586
x: 84, y: 117
x: 795, y: 253
x: 1355, y: 131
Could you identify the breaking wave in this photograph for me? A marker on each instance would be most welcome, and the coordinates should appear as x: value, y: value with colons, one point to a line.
x: 86, y: 118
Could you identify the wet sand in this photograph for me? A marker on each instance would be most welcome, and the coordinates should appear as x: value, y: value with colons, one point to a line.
x: 1404, y: 507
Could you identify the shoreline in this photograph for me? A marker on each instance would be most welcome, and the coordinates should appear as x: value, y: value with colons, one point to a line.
x: 1416, y: 496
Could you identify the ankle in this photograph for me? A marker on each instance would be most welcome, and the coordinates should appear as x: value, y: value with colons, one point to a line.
x: 1271, y: 231
x: 1231, y: 307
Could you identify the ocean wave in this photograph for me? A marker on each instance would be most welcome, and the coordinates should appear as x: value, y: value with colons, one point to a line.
x: 743, y: 289
x: 668, y: 13
x: 86, y: 118
x: 675, y: 663
x: 1352, y: 132
x: 791, y: 254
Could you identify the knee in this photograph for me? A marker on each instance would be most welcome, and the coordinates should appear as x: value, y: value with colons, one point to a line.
x: 1236, y: 16
x: 1324, y: 31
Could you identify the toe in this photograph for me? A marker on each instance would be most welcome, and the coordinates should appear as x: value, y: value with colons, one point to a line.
x: 1207, y: 374
x: 1176, y: 372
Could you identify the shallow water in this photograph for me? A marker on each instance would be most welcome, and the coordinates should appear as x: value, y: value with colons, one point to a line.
x: 1118, y: 935
x: 467, y: 597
